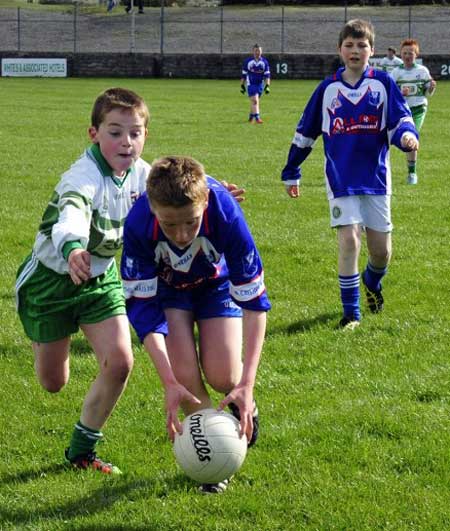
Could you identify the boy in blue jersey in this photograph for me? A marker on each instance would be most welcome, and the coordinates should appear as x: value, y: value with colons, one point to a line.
x: 358, y: 111
x: 189, y: 258
x: 255, y: 80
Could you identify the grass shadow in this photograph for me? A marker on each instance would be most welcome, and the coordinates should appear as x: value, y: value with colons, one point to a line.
x: 98, y: 500
x: 326, y: 319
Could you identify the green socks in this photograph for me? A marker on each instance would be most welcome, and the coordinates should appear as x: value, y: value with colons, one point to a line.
x: 411, y: 167
x: 83, y: 440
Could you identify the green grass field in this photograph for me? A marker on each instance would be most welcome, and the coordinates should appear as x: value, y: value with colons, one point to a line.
x: 355, y: 426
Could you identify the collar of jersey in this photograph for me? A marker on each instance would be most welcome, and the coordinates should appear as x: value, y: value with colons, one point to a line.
x: 363, y: 76
x: 104, y: 167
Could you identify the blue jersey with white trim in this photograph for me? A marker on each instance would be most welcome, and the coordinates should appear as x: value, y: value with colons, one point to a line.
x: 357, y: 124
x: 255, y: 71
x: 223, y: 250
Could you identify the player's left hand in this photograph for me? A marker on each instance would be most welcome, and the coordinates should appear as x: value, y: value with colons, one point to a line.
x: 235, y: 191
x: 242, y: 396
x: 409, y: 142
x: 267, y: 89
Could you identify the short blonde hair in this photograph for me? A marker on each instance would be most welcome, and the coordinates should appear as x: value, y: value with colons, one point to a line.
x: 177, y: 182
x: 118, y: 98
x: 358, y: 29
x: 411, y: 42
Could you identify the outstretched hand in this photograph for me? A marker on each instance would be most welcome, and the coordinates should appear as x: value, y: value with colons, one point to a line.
x: 293, y: 190
x: 242, y: 396
x: 175, y: 394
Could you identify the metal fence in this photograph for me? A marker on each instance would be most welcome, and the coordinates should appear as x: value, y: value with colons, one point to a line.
x: 215, y: 29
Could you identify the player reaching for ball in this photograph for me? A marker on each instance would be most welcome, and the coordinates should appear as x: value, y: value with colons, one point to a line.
x: 358, y: 111
x: 189, y: 259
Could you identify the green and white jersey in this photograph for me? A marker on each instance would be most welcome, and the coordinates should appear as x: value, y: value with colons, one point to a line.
x: 388, y: 65
x: 417, y: 80
x: 89, y: 205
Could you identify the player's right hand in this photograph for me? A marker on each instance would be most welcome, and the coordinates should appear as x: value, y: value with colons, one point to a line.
x: 242, y: 89
x: 79, y: 262
x: 174, y: 395
x: 292, y: 190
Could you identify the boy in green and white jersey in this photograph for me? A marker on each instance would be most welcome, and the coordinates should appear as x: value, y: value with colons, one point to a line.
x: 391, y: 61
x: 70, y: 279
x: 415, y: 83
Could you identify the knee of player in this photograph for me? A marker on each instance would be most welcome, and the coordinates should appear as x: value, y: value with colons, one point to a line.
x: 52, y: 383
x: 119, y: 365
x: 222, y: 383
x: 350, y: 242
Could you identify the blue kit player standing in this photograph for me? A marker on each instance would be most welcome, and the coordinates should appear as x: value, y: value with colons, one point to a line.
x: 255, y: 80
x: 358, y: 111
x: 189, y: 258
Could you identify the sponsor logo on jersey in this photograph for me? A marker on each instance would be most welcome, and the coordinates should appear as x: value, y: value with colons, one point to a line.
x: 142, y: 289
x: 363, y: 123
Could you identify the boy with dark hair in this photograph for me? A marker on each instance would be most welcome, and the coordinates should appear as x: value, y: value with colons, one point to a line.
x: 358, y: 111
x: 255, y: 80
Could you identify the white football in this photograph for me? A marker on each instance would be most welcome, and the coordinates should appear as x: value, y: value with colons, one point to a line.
x: 210, y: 450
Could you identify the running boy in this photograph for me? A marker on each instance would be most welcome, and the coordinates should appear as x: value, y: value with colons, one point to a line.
x: 70, y: 280
x: 359, y: 111
x: 415, y: 83
x: 255, y: 80
x: 189, y: 258
x: 391, y: 60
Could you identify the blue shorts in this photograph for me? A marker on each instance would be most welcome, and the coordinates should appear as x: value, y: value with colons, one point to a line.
x: 205, y: 302
x: 255, y: 89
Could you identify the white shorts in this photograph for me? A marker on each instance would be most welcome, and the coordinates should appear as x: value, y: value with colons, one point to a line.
x: 371, y: 211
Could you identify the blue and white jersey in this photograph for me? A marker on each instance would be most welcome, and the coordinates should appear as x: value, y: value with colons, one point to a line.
x: 255, y: 71
x: 357, y: 124
x: 223, y: 250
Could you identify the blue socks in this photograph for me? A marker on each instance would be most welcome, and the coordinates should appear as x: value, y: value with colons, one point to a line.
x: 372, y: 276
x: 350, y: 296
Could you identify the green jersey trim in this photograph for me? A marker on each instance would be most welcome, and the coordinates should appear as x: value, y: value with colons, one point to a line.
x: 104, y: 167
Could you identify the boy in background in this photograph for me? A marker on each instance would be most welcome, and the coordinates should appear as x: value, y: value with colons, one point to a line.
x: 189, y: 259
x: 358, y: 111
x: 415, y: 83
x: 391, y: 61
x: 255, y: 80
